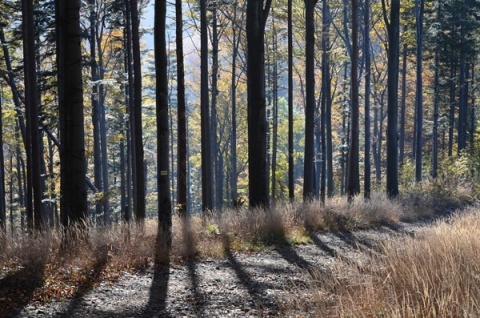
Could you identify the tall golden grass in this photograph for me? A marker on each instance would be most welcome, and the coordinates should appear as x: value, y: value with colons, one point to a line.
x: 434, y: 275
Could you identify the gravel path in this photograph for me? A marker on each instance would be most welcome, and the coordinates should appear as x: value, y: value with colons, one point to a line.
x: 253, y: 285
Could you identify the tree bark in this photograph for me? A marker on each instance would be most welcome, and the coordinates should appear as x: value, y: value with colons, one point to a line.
x: 366, y: 53
x: 291, y: 180
x: 257, y: 121
x: 419, y: 7
x: 353, y: 164
x: 137, y: 130
x: 181, y: 116
x: 207, y: 171
x: 164, y: 235
x: 393, y: 28
x: 308, y: 172
x: 72, y: 154
x: 34, y: 182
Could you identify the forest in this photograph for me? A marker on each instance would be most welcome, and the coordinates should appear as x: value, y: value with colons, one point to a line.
x: 234, y: 125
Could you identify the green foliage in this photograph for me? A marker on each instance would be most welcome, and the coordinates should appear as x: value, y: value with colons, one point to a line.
x: 212, y: 229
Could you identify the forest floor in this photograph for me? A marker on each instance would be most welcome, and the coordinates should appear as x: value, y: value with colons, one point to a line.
x: 274, y: 282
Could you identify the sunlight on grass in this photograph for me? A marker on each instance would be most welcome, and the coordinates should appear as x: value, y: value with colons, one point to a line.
x: 436, y: 275
x: 110, y: 251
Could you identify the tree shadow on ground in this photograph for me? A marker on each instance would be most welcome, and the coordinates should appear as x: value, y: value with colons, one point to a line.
x: 263, y: 303
x: 94, y: 276
x: 319, y: 243
x: 355, y: 243
x: 17, y: 288
x: 157, y: 301
x: 191, y: 251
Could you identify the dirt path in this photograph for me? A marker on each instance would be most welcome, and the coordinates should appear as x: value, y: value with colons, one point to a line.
x: 236, y: 286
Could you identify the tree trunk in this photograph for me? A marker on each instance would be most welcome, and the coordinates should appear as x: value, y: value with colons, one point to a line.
x: 181, y: 116
x: 328, y: 96
x: 436, y: 100
x: 137, y: 131
x: 207, y: 171
x: 366, y: 54
x: 257, y: 120
x: 233, y: 89
x: 393, y: 28
x: 217, y: 180
x: 403, y: 107
x: 97, y: 159
x: 419, y: 5
x: 353, y: 164
x: 274, y: 110
x: 291, y: 177
x: 463, y: 82
x: 164, y: 235
x: 3, y: 212
x: 34, y: 181
x: 72, y: 154
x: 308, y: 172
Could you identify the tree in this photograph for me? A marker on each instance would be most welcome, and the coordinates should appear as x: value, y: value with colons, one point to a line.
x: 393, y: 29
x: 308, y: 170
x: 72, y: 154
x: 366, y: 54
x: 257, y: 13
x: 353, y: 165
x: 34, y: 185
x: 164, y: 235
x: 3, y: 212
x: 207, y: 176
x: 136, y: 130
x: 181, y: 113
x: 434, y: 172
x: 419, y: 8
x: 291, y: 186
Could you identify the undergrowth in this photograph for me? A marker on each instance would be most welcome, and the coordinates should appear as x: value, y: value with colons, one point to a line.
x: 435, y: 275
x: 107, y: 252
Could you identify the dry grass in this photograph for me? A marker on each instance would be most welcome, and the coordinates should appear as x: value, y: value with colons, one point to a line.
x: 108, y: 252
x: 436, y: 275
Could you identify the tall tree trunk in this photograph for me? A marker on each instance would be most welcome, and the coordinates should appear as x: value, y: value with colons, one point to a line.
x: 233, y: 89
x: 473, y: 119
x: 257, y: 121
x: 436, y: 100
x: 353, y: 164
x: 164, y: 235
x: 463, y: 82
x: 327, y: 96
x: 181, y: 116
x: 452, y: 104
x: 97, y: 159
x: 34, y: 181
x: 308, y: 172
x: 72, y: 154
x: 419, y: 5
x: 3, y: 212
x: 207, y: 171
x: 393, y: 28
x: 217, y: 180
x: 103, y: 137
x: 274, y: 110
x: 291, y: 177
x: 328, y: 106
x: 403, y: 107
x: 139, y: 181
x: 366, y: 54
